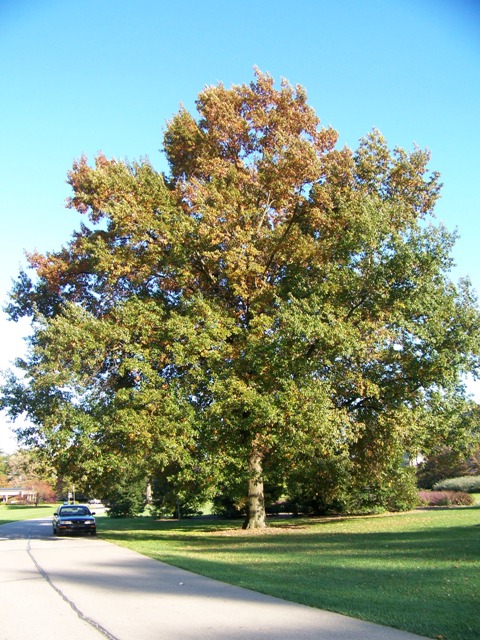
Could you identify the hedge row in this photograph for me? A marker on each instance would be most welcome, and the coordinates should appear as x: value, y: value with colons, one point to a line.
x: 469, y: 484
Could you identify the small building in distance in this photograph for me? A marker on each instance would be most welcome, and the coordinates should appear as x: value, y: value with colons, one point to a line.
x: 17, y: 494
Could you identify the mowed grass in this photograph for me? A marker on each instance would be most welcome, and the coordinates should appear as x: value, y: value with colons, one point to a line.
x: 418, y: 571
x: 14, y: 512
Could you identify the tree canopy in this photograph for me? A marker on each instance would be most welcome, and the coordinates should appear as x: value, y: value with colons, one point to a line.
x: 272, y: 301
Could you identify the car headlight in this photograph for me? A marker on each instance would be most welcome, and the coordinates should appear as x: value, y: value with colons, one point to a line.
x: 65, y: 522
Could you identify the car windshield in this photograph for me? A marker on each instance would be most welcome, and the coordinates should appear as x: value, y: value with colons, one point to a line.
x: 74, y: 511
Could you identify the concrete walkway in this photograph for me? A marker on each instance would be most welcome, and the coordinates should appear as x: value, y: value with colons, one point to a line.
x: 86, y: 588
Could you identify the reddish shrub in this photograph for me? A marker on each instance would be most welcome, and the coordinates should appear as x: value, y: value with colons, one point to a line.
x: 445, y: 498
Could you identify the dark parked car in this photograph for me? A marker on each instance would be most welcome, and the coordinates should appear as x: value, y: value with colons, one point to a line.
x: 74, y: 518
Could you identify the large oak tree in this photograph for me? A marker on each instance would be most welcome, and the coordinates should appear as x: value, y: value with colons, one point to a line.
x: 272, y: 300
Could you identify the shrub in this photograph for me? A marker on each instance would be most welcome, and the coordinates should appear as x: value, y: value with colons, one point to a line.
x: 447, y: 463
x: 468, y: 484
x: 337, y: 486
x: 445, y: 498
x: 125, y: 499
x: 171, y: 501
x: 395, y: 491
x: 319, y: 486
x: 227, y: 506
x: 230, y: 500
x: 400, y: 492
x: 179, y: 492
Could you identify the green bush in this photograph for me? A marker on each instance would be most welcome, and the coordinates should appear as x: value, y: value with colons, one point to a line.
x: 397, y: 491
x: 228, y: 506
x: 401, y: 493
x: 468, y: 484
x: 336, y: 486
x: 181, y: 491
x: 171, y: 499
x: 125, y: 499
x: 319, y: 486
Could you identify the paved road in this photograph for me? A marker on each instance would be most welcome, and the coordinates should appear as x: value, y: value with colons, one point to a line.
x: 89, y: 589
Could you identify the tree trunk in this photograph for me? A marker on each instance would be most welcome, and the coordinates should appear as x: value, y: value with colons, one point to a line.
x: 256, y: 504
x: 149, y: 497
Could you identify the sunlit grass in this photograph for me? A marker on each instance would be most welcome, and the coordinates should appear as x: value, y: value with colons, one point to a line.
x: 418, y: 571
x: 14, y: 512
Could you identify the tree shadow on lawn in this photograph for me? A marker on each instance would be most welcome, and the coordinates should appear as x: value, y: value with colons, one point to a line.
x: 409, y: 580
x: 298, y: 535
x: 397, y: 577
x: 438, y: 545
x: 425, y: 554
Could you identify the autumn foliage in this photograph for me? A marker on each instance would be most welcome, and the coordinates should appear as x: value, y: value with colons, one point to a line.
x: 271, y: 302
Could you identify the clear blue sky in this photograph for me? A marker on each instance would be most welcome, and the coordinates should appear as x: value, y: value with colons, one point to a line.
x: 79, y: 77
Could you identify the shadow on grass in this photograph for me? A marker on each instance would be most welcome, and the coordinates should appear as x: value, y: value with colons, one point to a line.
x: 453, y: 544
x: 424, y: 580
x: 218, y: 535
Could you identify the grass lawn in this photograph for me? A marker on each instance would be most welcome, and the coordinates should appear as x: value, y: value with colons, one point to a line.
x: 418, y: 571
x: 14, y: 512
